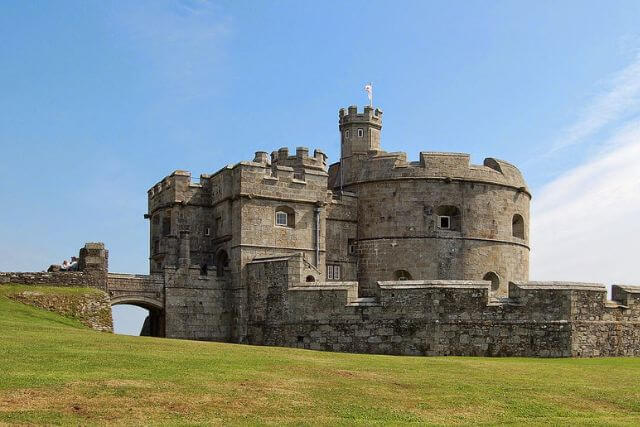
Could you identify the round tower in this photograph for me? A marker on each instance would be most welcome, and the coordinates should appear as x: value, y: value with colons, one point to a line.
x: 360, y: 132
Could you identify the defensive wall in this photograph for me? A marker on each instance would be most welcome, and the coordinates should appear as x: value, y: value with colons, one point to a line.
x: 435, y: 317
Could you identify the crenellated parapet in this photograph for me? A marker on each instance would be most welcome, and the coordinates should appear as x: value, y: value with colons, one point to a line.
x: 446, y: 167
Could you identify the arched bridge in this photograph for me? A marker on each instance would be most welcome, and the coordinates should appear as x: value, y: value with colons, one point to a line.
x: 142, y: 291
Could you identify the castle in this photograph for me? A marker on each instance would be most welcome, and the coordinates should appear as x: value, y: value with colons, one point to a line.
x: 373, y: 253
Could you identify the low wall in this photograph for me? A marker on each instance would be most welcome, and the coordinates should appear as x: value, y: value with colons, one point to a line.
x: 439, y: 317
x: 58, y: 278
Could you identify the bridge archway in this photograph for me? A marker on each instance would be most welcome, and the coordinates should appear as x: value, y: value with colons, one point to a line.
x: 154, y: 324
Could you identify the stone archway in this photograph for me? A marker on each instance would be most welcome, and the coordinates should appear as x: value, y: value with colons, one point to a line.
x: 154, y: 324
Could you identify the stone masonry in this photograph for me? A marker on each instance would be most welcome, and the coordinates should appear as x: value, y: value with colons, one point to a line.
x: 373, y: 253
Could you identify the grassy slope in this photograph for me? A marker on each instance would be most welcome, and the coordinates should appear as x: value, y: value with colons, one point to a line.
x: 53, y: 370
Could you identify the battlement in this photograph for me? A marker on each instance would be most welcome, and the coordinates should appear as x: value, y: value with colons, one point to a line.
x: 299, y: 162
x: 370, y: 115
x: 169, y: 182
x: 380, y: 165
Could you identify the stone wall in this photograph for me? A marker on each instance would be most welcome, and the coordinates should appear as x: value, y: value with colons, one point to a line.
x: 437, y: 317
x: 198, y: 307
x: 57, y: 278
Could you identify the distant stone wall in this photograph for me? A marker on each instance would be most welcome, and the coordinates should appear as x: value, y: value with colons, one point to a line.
x: 438, y: 317
x: 58, y: 278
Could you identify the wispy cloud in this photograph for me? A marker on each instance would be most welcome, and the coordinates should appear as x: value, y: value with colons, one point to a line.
x: 585, y: 223
x: 619, y: 99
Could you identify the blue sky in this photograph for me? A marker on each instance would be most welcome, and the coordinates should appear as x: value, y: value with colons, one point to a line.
x: 102, y: 99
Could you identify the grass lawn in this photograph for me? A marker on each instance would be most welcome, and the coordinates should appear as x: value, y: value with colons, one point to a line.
x: 55, y: 371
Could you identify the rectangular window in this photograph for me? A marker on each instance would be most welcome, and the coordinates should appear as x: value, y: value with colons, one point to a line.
x: 281, y: 218
x: 207, y: 231
x: 333, y: 272
x: 166, y: 226
x: 346, y: 133
x: 360, y: 133
x: 444, y: 222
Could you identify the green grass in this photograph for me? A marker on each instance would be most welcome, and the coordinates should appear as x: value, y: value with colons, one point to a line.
x: 55, y: 371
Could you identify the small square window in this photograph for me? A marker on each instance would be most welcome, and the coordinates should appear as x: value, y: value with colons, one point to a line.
x: 444, y: 222
x: 360, y: 133
x: 281, y: 218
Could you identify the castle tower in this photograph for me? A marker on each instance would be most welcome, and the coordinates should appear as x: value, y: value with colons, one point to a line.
x: 360, y: 133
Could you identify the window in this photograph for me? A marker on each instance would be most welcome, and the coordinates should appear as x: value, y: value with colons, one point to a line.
x: 222, y: 262
x: 285, y: 217
x: 346, y: 133
x: 166, y: 226
x: 281, y: 218
x: 360, y: 133
x: 517, y: 226
x: 207, y: 231
x: 310, y: 278
x: 494, y: 279
x: 444, y: 222
x: 448, y: 218
x: 351, y: 246
x: 333, y: 272
x: 402, y: 275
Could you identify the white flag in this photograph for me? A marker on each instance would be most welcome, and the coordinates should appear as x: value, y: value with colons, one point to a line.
x: 369, y: 89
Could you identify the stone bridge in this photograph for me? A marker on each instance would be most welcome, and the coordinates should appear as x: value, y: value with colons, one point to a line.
x: 142, y: 291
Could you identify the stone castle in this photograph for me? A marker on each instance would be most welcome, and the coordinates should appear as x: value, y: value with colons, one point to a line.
x: 373, y: 253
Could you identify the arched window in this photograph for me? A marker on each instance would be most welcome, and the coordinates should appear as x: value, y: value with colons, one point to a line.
x: 401, y: 275
x: 517, y: 226
x: 310, y: 278
x: 285, y: 217
x: 494, y: 279
x: 222, y: 262
x: 448, y: 218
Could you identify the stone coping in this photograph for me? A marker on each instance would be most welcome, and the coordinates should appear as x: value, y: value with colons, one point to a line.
x: 631, y: 289
x: 423, y: 284
x: 129, y: 276
x: 271, y: 259
x: 324, y: 286
x: 559, y: 285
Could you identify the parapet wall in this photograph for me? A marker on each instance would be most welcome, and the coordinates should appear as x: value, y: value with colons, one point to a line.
x: 440, y: 317
x: 381, y: 166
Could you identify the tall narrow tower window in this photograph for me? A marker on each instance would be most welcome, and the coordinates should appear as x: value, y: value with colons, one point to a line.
x: 346, y: 133
x: 360, y: 133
